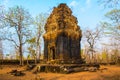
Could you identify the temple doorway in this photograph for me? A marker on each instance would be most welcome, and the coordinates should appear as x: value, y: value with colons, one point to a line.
x: 52, y: 50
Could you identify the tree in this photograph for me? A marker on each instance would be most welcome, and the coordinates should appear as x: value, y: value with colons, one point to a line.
x: 110, y: 3
x: 39, y: 23
x: 105, y: 56
x: 1, y: 11
x: 91, y: 38
x: 1, y: 51
x: 113, y: 16
x: 1, y: 24
x: 112, y: 25
x: 1, y: 16
x: 112, y: 28
x: 17, y: 20
x: 35, y: 41
x: 32, y: 48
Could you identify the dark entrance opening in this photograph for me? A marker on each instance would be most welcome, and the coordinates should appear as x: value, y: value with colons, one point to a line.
x: 53, y: 53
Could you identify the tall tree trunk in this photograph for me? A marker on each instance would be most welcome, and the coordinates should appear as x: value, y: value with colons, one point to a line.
x: 38, y: 52
x: 36, y: 59
x: 27, y: 61
x: 21, y: 55
x: 38, y: 46
x: 20, y: 43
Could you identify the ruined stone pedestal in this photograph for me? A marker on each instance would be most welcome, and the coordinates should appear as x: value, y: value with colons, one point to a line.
x: 68, y: 68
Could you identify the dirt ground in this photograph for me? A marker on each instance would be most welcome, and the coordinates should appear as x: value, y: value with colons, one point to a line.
x: 105, y: 73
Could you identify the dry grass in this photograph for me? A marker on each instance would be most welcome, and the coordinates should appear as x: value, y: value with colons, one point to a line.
x: 105, y: 73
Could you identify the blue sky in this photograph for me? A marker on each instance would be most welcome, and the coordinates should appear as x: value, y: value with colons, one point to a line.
x: 88, y: 12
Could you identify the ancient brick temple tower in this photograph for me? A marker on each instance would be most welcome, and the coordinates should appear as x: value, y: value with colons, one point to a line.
x: 63, y: 35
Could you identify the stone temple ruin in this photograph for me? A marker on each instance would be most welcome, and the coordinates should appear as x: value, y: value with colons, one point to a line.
x: 62, y: 43
x: 63, y: 36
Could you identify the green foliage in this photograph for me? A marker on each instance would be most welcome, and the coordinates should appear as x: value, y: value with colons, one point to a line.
x: 104, y: 55
x: 28, y: 56
x: 113, y: 58
x: 7, y: 54
x: 32, y: 52
x: 82, y: 53
x: 112, y: 26
x: 113, y: 15
x: 18, y: 16
x: 110, y: 3
x: 32, y: 40
x: 32, y: 46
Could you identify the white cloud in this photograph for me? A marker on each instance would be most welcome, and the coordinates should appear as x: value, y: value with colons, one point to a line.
x: 73, y: 4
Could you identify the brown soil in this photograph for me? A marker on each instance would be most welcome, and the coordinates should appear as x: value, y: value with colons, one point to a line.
x: 105, y: 73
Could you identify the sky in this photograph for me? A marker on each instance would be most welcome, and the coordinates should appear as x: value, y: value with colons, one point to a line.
x: 88, y: 12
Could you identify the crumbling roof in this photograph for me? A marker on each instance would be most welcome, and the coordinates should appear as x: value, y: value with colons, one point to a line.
x: 61, y: 21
